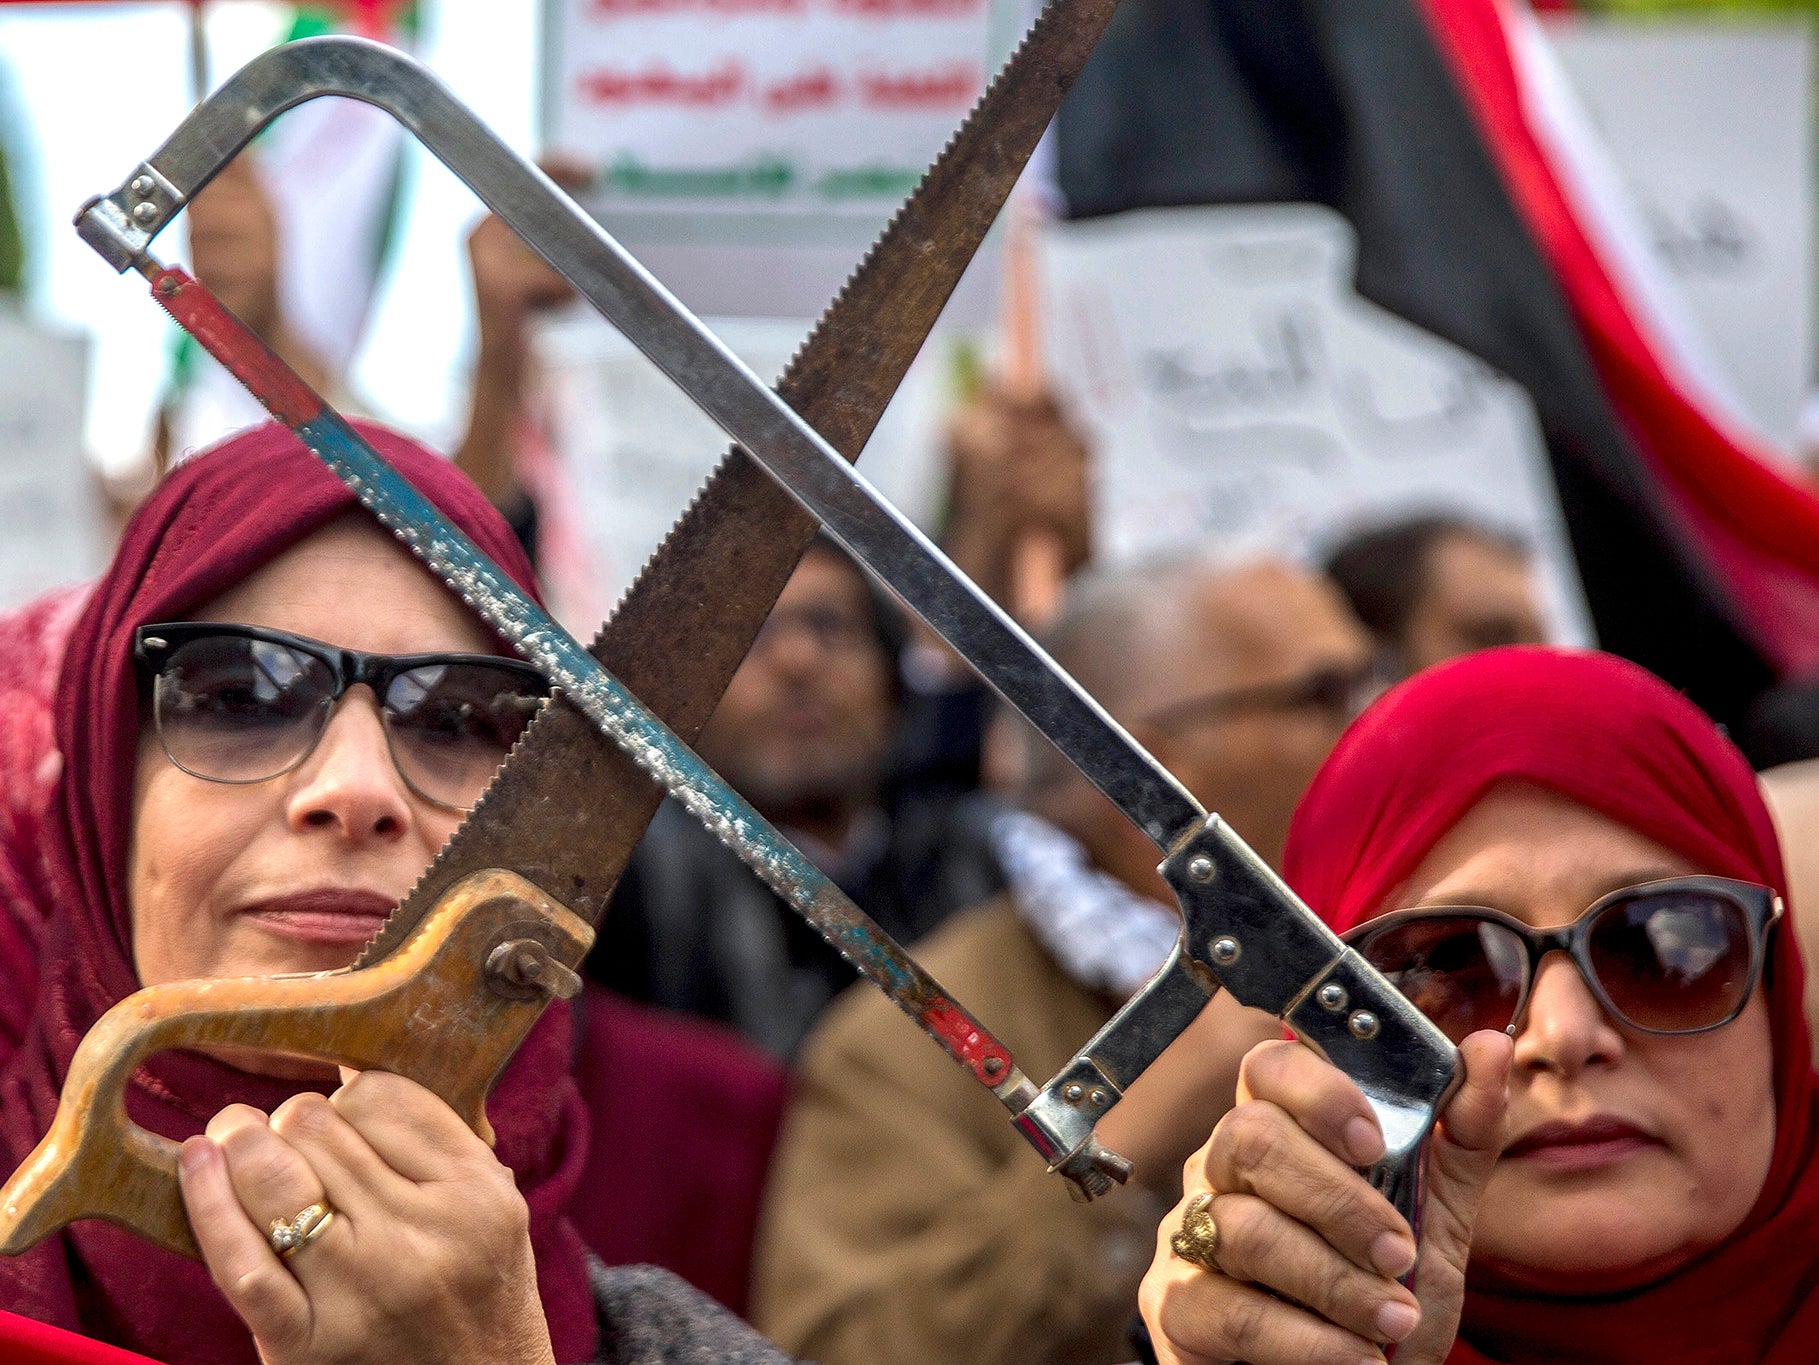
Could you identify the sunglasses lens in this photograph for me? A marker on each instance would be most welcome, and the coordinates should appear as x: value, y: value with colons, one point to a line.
x: 240, y: 710
x: 452, y: 725
x: 1673, y: 960
x: 1464, y: 974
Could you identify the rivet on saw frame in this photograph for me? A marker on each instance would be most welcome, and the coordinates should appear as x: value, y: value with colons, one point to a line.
x: 1333, y: 997
x: 1073, y: 1093
x: 1200, y: 868
x: 1363, y: 1025
x: 145, y: 214
x: 1225, y: 951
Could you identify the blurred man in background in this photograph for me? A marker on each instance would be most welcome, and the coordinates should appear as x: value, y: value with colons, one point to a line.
x: 1433, y: 587
x: 855, y: 735
x: 907, y: 1220
x: 807, y: 733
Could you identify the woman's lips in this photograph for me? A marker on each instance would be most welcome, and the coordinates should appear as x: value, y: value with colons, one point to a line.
x: 333, y: 915
x: 1580, y: 1146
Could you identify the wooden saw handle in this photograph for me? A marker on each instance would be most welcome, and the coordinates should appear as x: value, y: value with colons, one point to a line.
x: 447, y: 1010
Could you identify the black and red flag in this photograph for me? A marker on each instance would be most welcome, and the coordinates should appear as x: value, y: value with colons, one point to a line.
x: 1418, y: 121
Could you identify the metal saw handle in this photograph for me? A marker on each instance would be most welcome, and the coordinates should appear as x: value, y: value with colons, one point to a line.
x: 447, y: 1010
x: 1243, y: 928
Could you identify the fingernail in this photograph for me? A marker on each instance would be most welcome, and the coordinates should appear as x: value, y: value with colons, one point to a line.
x: 1362, y: 1141
x: 1396, y: 1320
x: 195, y: 1153
x: 1392, y: 1254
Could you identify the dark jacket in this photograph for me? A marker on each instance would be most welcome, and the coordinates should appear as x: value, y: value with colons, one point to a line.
x: 692, y: 928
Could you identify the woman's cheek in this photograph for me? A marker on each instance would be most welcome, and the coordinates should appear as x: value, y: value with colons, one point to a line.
x: 181, y: 845
x: 1725, y: 1087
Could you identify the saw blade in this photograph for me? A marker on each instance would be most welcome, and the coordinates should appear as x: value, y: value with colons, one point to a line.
x: 568, y: 808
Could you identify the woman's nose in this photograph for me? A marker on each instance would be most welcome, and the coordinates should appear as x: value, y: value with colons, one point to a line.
x: 1564, y: 1028
x: 349, y: 782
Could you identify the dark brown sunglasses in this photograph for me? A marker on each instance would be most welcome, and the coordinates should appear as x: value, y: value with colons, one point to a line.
x: 1675, y: 956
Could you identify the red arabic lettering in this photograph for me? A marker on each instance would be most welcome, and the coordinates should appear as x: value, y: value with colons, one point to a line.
x: 956, y: 83
x: 905, y: 9
x: 659, y: 83
x: 625, y: 9
x: 816, y: 88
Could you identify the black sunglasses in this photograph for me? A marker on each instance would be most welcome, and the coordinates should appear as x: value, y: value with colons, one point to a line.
x: 1675, y: 956
x: 245, y: 704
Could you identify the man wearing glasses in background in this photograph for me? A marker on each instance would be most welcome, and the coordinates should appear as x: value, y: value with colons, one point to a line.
x: 807, y: 732
x: 906, y: 1221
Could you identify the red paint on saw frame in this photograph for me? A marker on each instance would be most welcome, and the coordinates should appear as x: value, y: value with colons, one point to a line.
x: 966, y: 1041
x: 233, y: 343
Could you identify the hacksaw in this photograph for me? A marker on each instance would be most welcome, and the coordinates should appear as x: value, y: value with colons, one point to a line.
x: 1242, y: 928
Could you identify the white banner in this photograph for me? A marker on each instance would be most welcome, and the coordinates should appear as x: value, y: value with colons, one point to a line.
x: 1242, y: 398
x: 630, y: 449
x: 50, y: 518
x: 748, y: 150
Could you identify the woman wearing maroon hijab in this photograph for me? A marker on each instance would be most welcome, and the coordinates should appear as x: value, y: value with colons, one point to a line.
x: 1555, y: 845
x: 235, y: 801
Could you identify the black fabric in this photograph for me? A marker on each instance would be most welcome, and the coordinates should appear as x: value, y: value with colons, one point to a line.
x: 941, y: 738
x: 1783, y: 725
x: 520, y: 513
x: 1348, y: 103
x: 691, y: 928
x: 1142, y: 1344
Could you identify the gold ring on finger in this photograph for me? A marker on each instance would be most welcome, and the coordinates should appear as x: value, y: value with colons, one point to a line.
x: 1197, y: 1238
x: 290, y: 1235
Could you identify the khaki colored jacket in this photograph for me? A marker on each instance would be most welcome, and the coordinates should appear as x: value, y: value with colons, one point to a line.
x: 907, y: 1222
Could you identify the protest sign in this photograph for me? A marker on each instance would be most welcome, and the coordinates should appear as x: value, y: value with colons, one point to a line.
x: 630, y: 449
x: 748, y: 150
x: 49, y: 513
x: 1710, y: 126
x: 1243, y: 399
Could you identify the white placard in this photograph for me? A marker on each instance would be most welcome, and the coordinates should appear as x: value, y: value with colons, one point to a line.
x: 1243, y: 399
x: 631, y: 450
x: 1711, y: 128
x: 50, y: 521
x: 749, y: 150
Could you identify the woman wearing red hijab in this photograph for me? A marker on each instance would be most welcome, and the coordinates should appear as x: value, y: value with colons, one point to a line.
x: 1556, y: 845
x: 253, y: 774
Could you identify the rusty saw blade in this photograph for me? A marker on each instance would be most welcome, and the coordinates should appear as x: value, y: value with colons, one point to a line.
x: 568, y: 808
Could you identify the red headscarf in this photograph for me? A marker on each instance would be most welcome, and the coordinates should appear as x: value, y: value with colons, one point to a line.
x: 213, y: 522
x: 1615, y: 739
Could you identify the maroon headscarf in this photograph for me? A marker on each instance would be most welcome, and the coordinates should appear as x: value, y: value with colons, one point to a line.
x: 32, y: 641
x: 1615, y: 739
x: 211, y: 524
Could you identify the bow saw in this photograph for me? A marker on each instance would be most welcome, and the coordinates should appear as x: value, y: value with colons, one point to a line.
x: 455, y: 979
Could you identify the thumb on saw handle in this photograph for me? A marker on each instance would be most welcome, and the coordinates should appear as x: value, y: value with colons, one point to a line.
x: 434, y: 1011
